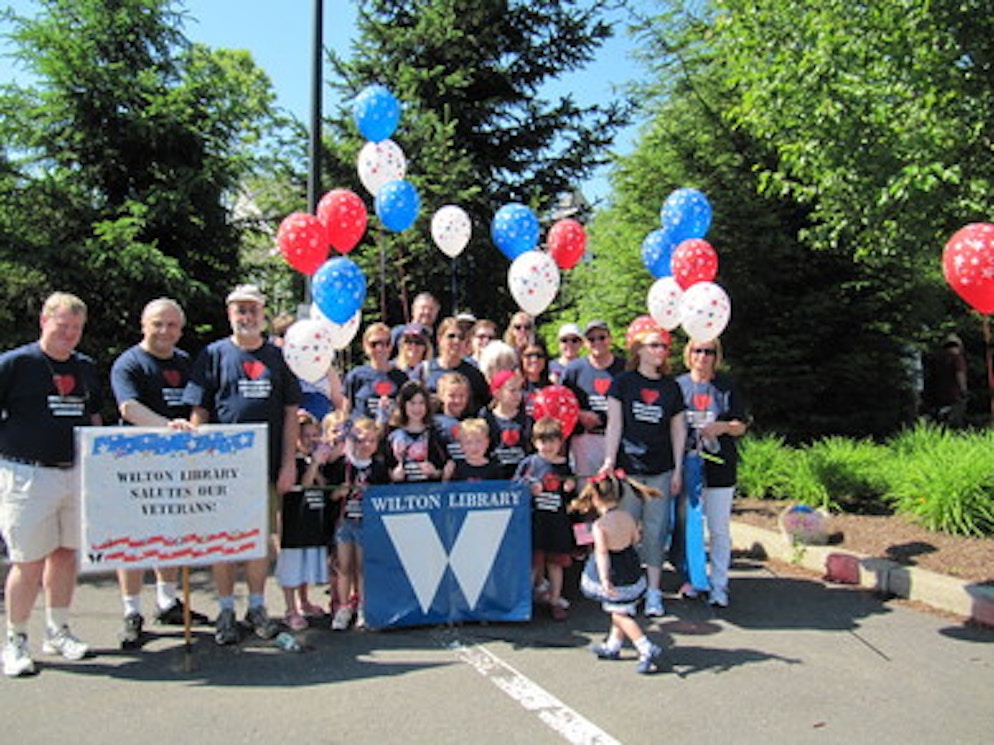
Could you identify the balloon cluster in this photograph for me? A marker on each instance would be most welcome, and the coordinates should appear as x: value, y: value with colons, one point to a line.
x: 685, y: 265
x: 534, y: 275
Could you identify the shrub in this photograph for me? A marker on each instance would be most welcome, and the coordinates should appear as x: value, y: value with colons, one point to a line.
x: 850, y: 473
x: 764, y: 467
x: 944, y: 481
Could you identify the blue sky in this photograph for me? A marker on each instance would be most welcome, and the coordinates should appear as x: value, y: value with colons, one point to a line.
x: 278, y: 34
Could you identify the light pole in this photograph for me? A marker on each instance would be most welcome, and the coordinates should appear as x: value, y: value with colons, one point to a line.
x: 314, y: 149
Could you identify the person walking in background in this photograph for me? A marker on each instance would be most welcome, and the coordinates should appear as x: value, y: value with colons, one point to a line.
x: 240, y: 379
x: 948, y: 383
x: 148, y: 380
x: 715, y: 420
x: 46, y: 389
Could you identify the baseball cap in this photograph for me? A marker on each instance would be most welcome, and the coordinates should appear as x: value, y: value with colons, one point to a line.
x: 417, y: 330
x: 595, y: 324
x: 246, y: 294
x: 568, y: 329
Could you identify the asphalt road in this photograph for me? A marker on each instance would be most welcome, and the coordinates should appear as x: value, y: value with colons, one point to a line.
x: 792, y: 660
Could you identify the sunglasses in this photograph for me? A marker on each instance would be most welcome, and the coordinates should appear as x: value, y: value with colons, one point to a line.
x: 657, y: 345
x: 360, y: 440
x: 523, y: 327
x: 570, y: 340
x: 705, y: 352
x: 414, y: 340
x: 533, y: 356
x: 597, y: 337
x: 481, y: 337
x: 376, y: 343
x: 453, y: 335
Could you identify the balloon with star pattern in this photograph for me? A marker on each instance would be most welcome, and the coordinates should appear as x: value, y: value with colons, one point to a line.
x: 705, y: 311
x: 380, y: 162
x: 694, y: 261
x: 514, y: 230
x: 344, y: 217
x: 376, y: 112
x: 339, y: 289
x: 303, y: 241
x: 533, y: 279
x: 968, y: 265
x: 308, y: 349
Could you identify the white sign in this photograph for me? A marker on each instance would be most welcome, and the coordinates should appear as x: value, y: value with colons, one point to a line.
x: 162, y: 497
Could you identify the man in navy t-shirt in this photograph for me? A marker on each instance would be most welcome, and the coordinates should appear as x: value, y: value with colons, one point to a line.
x: 46, y: 389
x: 148, y: 382
x: 240, y: 379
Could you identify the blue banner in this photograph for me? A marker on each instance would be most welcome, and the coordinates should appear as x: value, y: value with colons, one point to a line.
x: 440, y: 553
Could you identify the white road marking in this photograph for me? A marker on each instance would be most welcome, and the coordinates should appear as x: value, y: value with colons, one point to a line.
x: 569, y: 724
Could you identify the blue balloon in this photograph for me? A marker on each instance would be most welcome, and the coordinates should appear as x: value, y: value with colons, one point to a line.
x: 686, y: 213
x: 657, y: 250
x: 515, y: 230
x: 339, y: 289
x: 376, y: 112
x: 397, y: 204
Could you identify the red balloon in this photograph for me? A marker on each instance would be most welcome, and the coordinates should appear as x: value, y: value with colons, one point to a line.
x: 645, y: 325
x: 560, y: 403
x: 693, y: 261
x: 344, y: 216
x: 567, y: 242
x: 968, y: 265
x: 303, y: 242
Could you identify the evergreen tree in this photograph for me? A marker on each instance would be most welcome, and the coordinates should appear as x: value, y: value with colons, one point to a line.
x: 476, y: 129
x: 124, y: 158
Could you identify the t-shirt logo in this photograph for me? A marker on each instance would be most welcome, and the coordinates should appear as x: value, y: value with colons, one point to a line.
x: 649, y: 396
x: 454, y: 432
x: 601, y: 385
x: 254, y: 369
x: 551, y: 482
x: 510, y: 437
x: 702, y: 401
x: 383, y: 388
x: 64, y: 384
x: 172, y: 377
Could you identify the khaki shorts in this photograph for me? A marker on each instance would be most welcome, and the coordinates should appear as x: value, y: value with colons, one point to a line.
x: 39, y: 510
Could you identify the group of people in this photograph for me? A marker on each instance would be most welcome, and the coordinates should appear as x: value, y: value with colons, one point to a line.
x: 434, y: 400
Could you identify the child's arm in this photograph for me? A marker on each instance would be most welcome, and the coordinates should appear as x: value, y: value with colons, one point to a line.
x: 602, y: 558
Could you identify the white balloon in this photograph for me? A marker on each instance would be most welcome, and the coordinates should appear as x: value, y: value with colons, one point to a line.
x: 342, y: 334
x: 308, y: 350
x: 704, y: 311
x: 451, y: 229
x: 663, y: 301
x: 380, y: 162
x: 534, y: 281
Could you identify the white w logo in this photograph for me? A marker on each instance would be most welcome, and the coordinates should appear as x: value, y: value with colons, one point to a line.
x: 424, y: 558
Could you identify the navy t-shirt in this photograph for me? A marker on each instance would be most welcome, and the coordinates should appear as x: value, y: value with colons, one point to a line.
x: 479, y: 390
x: 447, y: 427
x: 365, y: 386
x: 713, y: 401
x: 647, y: 405
x: 241, y: 386
x: 510, y: 439
x: 138, y: 375
x: 590, y: 385
x: 42, y: 400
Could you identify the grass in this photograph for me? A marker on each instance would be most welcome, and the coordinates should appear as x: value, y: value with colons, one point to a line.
x: 943, y: 480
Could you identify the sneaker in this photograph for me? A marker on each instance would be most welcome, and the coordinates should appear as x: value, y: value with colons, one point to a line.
x: 225, y: 628
x: 342, y: 618
x: 654, y: 604
x: 718, y: 597
x: 173, y: 616
x: 64, y: 643
x: 649, y: 662
x: 260, y: 622
x: 131, y: 633
x: 295, y: 621
x: 360, y: 618
x: 16, y: 657
x: 562, y: 603
x: 687, y: 591
x: 604, y: 652
x: 558, y: 612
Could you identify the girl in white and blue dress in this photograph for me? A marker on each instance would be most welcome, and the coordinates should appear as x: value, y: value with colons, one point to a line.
x: 613, y: 573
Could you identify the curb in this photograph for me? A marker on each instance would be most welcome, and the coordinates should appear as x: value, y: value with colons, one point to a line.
x: 971, y: 600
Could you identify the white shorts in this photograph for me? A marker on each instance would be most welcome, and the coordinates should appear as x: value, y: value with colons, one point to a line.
x: 39, y: 510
